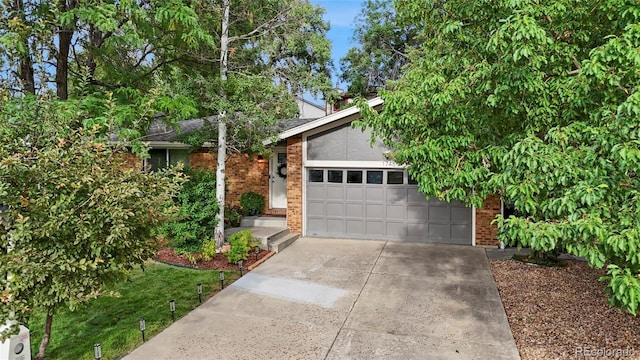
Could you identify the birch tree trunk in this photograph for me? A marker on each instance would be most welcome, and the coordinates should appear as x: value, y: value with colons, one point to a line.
x: 222, y: 125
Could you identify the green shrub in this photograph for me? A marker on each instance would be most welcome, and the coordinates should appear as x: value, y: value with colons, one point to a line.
x: 252, y: 203
x: 197, y: 215
x: 233, y: 216
x: 241, y: 243
x: 209, y: 248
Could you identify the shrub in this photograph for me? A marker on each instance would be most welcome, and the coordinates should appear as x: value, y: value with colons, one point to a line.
x: 233, y: 216
x: 198, y: 209
x: 252, y: 203
x: 241, y: 243
x: 209, y: 248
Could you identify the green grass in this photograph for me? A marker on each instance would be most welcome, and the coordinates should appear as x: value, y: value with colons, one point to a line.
x: 112, y: 320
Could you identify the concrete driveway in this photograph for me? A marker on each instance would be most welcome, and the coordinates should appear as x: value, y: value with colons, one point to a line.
x: 349, y: 299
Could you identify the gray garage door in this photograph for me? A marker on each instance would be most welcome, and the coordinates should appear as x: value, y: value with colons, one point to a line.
x: 380, y: 204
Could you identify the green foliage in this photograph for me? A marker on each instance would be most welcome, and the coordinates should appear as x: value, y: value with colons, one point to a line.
x: 209, y: 250
x: 198, y: 208
x: 233, y: 216
x: 536, y: 102
x: 241, y: 243
x: 80, y: 216
x: 252, y: 203
x: 383, y: 42
x: 112, y: 319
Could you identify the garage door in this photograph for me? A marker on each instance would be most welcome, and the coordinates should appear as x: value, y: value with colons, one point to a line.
x: 380, y: 204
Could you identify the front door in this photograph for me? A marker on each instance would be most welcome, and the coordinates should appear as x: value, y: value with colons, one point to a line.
x: 278, y: 176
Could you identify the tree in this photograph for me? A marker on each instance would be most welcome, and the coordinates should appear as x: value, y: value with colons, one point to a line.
x: 536, y: 102
x: 266, y: 53
x: 81, y: 48
x: 81, y: 216
x: 383, y: 42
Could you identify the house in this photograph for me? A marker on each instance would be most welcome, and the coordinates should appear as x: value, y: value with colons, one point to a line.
x: 328, y: 181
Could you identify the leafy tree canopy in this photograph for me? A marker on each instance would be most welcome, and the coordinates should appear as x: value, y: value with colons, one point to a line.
x: 78, y: 215
x: 538, y: 102
x: 383, y: 39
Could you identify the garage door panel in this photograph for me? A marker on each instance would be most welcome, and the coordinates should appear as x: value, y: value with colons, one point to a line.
x: 375, y: 228
x: 315, y: 192
x: 375, y: 194
x: 316, y: 209
x: 460, y: 215
x: 374, y: 210
x: 335, y: 209
x: 396, y: 212
x: 417, y: 229
x: 355, y: 193
x: 397, y: 230
x: 417, y: 212
x: 439, y: 214
x: 355, y: 227
x: 336, y: 225
x: 316, y: 226
x: 439, y: 232
x: 335, y: 193
x: 396, y: 195
x: 355, y: 210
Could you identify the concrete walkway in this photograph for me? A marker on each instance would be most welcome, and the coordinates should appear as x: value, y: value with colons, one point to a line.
x: 349, y: 299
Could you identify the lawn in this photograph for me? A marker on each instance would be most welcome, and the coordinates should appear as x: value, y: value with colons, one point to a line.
x: 112, y: 319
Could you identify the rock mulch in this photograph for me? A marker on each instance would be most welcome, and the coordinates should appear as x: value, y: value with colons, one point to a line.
x: 563, y: 313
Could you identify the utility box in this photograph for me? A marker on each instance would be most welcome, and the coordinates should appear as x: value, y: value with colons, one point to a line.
x: 16, y: 347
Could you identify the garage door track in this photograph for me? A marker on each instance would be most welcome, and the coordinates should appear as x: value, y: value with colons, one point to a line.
x: 349, y: 299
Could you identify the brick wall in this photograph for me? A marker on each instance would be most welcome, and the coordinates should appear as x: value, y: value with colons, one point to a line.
x: 294, y: 184
x: 486, y: 232
x: 243, y: 173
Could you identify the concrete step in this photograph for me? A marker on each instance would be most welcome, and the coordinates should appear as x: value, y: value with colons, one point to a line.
x: 263, y: 221
x: 281, y: 243
x: 264, y: 234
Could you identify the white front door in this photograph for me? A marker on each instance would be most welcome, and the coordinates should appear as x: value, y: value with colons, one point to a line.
x: 278, y: 176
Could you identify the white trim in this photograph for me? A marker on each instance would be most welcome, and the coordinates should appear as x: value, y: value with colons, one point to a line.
x: 353, y: 164
x: 173, y: 145
x: 324, y: 120
x: 303, y: 221
x: 473, y: 225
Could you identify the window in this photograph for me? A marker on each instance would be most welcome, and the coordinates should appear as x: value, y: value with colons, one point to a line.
x: 374, y: 177
x: 354, y: 177
x: 162, y: 158
x: 316, y: 175
x: 157, y: 159
x: 335, y: 176
x: 395, y: 177
x: 412, y: 181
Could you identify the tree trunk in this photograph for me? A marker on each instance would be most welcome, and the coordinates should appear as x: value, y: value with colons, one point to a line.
x: 222, y: 125
x: 25, y: 69
x: 45, y: 338
x: 62, y: 66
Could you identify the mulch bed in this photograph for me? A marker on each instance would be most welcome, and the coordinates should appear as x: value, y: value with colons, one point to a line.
x: 168, y: 256
x: 563, y: 312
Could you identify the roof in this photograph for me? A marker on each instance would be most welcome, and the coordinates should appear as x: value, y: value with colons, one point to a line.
x: 313, y: 124
x: 160, y: 132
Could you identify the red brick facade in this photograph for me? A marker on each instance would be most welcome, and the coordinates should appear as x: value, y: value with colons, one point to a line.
x: 294, y: 184
x: 486, y: 232
x: 242, y: 174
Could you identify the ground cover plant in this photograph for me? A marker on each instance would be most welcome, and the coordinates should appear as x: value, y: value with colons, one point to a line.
x: 112, y: 319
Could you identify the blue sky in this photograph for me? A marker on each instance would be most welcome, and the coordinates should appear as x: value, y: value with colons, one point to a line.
x: 341, y: 15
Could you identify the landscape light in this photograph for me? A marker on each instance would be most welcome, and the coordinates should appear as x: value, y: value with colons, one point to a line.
x: 221, y: 280
x: 240, y: 267
x: 97, y: 351
x: 172, y: 307
x: 199, y: 287
x: 143, y: 327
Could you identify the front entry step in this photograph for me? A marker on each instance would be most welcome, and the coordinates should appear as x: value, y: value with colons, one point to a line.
x: 270, y: 238
x: 263, y: 221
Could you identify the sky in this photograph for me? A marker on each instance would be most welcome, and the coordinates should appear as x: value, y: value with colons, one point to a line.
x: 341, y: 15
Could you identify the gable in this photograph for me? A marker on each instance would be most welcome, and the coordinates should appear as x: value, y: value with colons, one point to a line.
x: 344, y: 143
